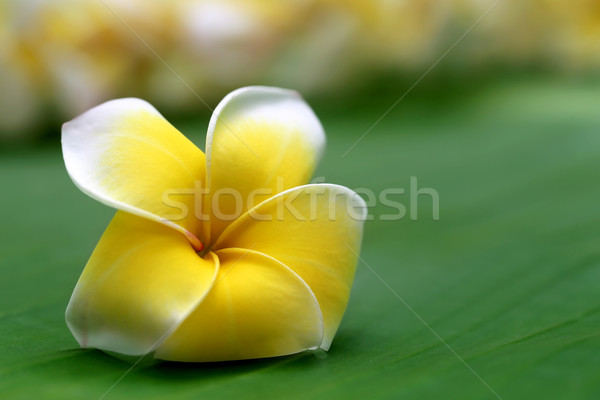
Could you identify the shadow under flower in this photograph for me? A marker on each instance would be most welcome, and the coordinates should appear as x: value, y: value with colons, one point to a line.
x: 184, y: 371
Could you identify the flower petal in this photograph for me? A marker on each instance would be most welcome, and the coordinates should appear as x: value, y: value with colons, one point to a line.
x: 257, y: 308
x: 258, y: 138
x: 316, y: 230
x: 126, y: 155
x: 141, y: 281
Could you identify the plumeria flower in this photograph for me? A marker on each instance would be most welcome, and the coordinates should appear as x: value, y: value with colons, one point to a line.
x: 261, y: 266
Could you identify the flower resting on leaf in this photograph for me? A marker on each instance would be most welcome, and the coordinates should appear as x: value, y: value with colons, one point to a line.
x: 223, y: 256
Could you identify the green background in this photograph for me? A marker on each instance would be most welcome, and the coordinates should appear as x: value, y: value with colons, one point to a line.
x: 508, y: 277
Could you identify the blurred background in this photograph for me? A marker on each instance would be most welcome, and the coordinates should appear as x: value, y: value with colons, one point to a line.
x: 62, y: 57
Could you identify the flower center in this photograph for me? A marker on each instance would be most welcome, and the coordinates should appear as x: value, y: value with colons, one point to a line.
x: 207, y: 249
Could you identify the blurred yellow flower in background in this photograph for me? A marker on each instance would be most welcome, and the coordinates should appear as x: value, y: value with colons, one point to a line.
x: 256, y: 264
x: 60, y: 58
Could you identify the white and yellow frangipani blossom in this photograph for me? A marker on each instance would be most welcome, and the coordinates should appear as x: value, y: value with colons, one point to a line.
x: 272, y: 281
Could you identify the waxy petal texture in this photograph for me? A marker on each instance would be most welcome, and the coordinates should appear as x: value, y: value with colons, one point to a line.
x: 126, y: 155
x: 315, y: 230
x: 216, y: 258
x: 260, y: 141
x: 141, y: 281
x: 257, y: 308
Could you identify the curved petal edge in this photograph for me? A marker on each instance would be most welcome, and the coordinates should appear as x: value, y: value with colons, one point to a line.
x: 316, y: 230
x: 260, y: 141
x: 124, y: 154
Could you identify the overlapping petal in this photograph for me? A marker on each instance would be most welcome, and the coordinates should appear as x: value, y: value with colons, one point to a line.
x: 141, y: 281
x: 260, y: 141
x: 315, y: 230
x: 276, y: 276
x: 126, y: 155
x: 257, y: 308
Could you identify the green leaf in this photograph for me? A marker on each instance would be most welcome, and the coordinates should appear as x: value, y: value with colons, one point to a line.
x: 501, y: 295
